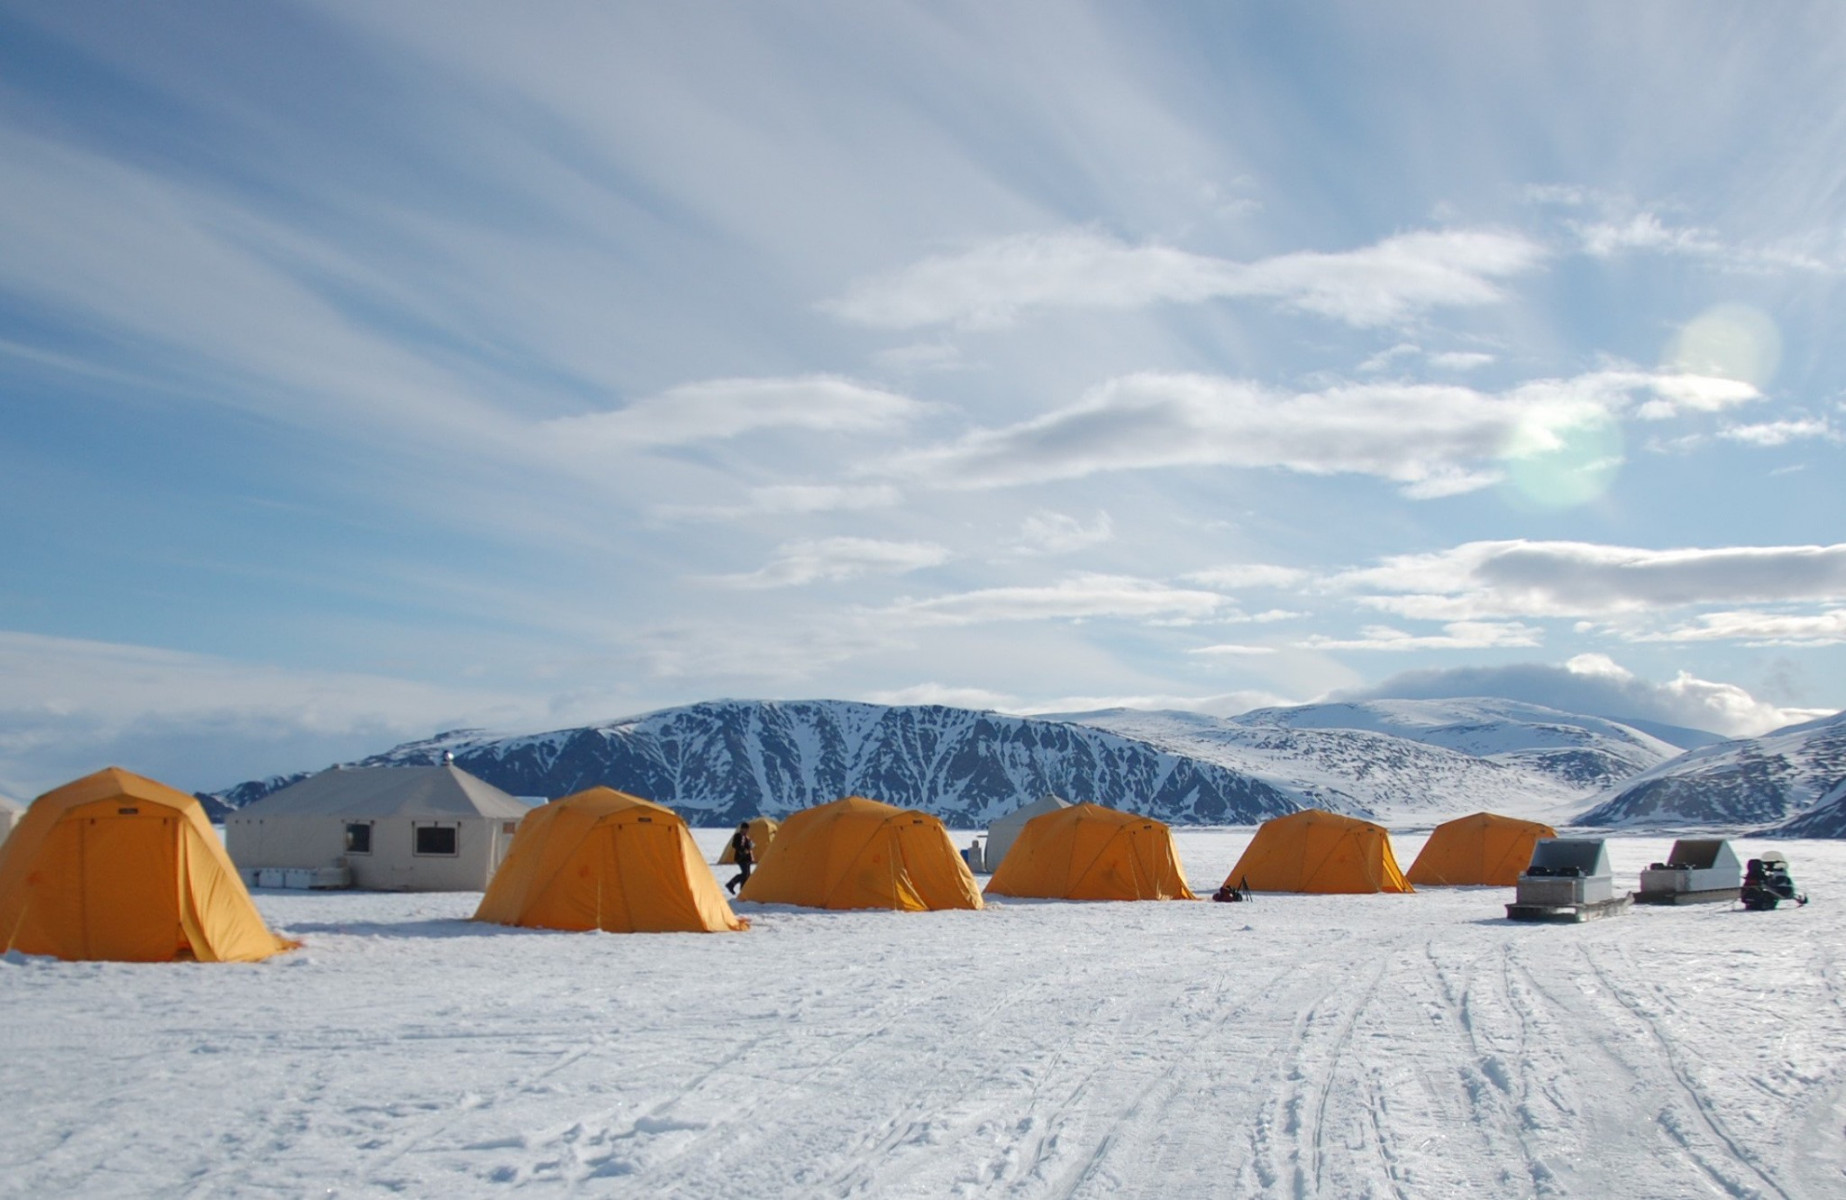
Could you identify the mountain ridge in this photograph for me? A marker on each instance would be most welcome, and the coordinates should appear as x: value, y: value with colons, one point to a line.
x: 721, y: 761
x: 1767, y: 782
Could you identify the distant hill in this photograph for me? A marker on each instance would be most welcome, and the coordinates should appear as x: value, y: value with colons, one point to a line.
x: 1412, y: 761
x: 1827, y: 819
x: 1763, y: 781
x: 723, y: 761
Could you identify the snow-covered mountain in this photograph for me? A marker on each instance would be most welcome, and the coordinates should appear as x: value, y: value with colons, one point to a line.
x: 1752, y: 781
x: 723, y: 761
x: 1411, y: 760
x: 1827, y: 819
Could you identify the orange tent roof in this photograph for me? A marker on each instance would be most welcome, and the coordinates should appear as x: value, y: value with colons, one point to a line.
x: 1316, y: 851
x: 116, y: 866
x: 1088, y: 852
x: 858, y: 853
x: 1479, y: 848
x: 602, y: 859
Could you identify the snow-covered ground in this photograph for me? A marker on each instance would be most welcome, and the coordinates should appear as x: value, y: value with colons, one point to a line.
x: 1407, y: 1046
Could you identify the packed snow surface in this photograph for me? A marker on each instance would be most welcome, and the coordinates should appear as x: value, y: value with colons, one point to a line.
x: 1337, y: 1046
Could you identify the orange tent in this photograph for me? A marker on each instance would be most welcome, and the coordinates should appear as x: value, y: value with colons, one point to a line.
x: 762, y: 832
x: 1315, y: 851
x: 115, y: 866
x: 858, y: 853
x: 602, y: 859
x: 1482, y: 848
x: 1087, y: 852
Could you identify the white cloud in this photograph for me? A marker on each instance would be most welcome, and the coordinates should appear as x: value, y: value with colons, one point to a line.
x: 990, y: 284
x: 1233, y: 650
x: 1227, y: 704
x: 1433, y: 440
x: 936, y: 693
x: 1460, y: 360
x: 69, y: 706
x: 1456, y: 635
x: 1596, y: 685
x: 1234, y: 576
x: 1046, y: 532
x: 1078, y: 597
x: 724, y: 408
x: 1642, y: 231
x: 1675, y: 394
x: 839, y: 558
x: 1757, y: 629
x: 788, y: 499
x: 1384, y: 358
x: 1770, y: 434
x: 1582, y: 579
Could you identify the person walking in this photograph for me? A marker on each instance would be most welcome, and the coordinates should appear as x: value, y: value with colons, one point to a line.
x: 743, y: 849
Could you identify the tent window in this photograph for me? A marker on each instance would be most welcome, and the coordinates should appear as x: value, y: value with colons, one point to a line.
x: 359, y: 838
x: 509, y: 828
x: 436, y: 839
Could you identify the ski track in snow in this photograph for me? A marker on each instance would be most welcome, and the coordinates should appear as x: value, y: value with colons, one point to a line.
x: 1375, y: 1046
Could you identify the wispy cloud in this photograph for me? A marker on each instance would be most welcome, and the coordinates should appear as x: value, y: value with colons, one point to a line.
x: 1079, y: 597
x: 1460, y: 360
x: 1234, y: 576
x: 1595, y: 683
x: 725, y: 408
x: 992, y: 283
x: 1616, y: 224
x: 1580, y: 579
x: 936, y: 693
x: 1643, y: 231
x: 784, y: 499
x: 830, y: 560
x: 1769, y: 434
x: 1757, y: 629
x: 1046, y: 532
x: 69, y: 706
x: 1433, y: 440
x: 1456, y: 635
x: 1232, y: 650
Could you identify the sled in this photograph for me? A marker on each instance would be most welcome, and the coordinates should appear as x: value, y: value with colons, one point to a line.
x: 1571, y: 914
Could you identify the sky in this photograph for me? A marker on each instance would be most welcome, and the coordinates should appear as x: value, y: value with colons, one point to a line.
x: 369, y: 370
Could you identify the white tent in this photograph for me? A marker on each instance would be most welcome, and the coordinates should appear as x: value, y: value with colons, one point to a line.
x: 412, y: 829
x: 1000, y: 834
x: 10, y: 812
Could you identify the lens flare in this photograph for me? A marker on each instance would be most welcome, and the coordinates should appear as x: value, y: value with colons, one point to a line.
x: 1730, y: 341
x: 1563, y: 466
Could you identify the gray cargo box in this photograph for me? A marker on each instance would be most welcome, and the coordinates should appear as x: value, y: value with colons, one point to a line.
x: 1567, y: 871
x: 1697, y: 869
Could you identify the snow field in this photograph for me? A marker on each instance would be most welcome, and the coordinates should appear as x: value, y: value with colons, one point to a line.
x: 1386, y: 1046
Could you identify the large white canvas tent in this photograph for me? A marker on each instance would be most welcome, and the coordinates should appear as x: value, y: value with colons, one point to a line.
x: 412, y: 829
x: 1001, y: 834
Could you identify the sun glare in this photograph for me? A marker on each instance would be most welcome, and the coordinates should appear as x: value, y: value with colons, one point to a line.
x: 1730, y: 341
x: 1559, y: 467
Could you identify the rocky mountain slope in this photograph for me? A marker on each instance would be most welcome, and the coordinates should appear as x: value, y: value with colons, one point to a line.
x: 1407, y: 761
x: 723, y: 761
x: 1762, y: 781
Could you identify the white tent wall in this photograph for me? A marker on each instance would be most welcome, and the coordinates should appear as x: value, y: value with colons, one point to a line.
x: 425, y: 829
x: 392, y: 862
x: 10, y: 812
x: 1001, y: 834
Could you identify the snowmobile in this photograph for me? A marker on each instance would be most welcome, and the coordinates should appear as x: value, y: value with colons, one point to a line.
x: 1766, y: 883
